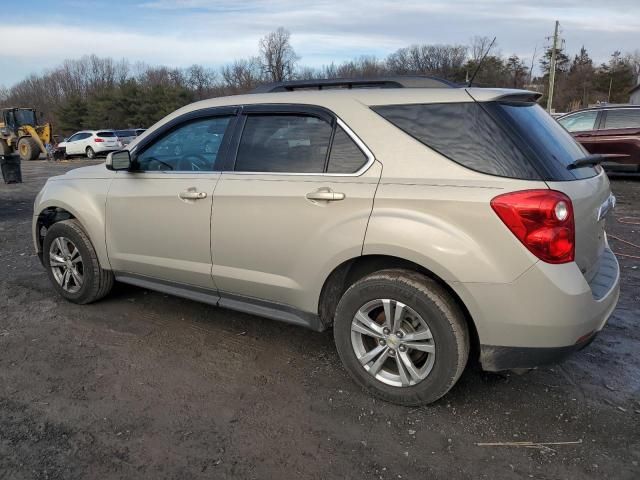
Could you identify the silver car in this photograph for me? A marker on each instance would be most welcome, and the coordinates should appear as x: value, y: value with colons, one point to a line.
x: 421, y: 221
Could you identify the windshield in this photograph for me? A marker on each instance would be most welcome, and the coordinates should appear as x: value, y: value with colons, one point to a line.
x: 550, y: 145
x: 25, y: 117
x: 106, y: 134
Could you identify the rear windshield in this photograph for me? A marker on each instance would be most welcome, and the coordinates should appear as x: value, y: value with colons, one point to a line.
x: 515, y: 140
x: 106, y: 134
x: 126, y: 133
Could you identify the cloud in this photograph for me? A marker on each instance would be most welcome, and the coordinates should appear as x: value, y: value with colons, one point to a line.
x: 183, y: 32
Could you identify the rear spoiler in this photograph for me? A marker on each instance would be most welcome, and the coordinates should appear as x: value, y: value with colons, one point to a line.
x: 524, y: 96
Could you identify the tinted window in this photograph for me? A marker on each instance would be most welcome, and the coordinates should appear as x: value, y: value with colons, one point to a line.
x: 622, y: 118
x: 346, y: 156
x: 106, y: 134
x: 192, y: 146
x: 283, y: 143
x: 125, y: 133
x: 465, y: 133
x: 550, y: 146
x: 580, y: 122
x: 74, y: 137
x: 82, y: 136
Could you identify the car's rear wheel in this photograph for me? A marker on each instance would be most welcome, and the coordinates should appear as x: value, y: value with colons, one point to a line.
x: 401, y: 336
x: 72, y: 264
x: 91, y: 154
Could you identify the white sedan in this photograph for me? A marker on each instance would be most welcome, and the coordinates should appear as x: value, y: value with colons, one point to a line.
x: 90, y: 143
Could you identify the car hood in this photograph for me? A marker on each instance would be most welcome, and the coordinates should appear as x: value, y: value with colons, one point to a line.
x: 91, y: 171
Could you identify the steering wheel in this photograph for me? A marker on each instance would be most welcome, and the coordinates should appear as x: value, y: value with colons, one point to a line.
x: 194, y: 163
x: 154, y: 159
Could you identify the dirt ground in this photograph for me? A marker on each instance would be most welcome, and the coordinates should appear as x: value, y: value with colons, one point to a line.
x: 143, y: 385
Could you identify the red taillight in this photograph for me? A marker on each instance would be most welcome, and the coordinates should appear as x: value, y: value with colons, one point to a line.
x: 98, y: 140
x: 542, y: 220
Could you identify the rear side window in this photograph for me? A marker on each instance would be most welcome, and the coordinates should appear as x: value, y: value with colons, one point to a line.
x: 622, y: 118
x: 106, y: 134
x: 346, y: 156
x: 283, y: 143
x: 465, y: 133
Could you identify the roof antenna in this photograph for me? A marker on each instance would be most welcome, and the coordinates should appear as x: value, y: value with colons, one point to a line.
x: 481, y: 62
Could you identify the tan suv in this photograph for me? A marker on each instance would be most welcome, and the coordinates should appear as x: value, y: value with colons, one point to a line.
x: 423, y: 224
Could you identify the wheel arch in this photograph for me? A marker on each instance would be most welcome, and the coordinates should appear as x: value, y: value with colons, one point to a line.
x: 352, y: 270
x: 90, y: 218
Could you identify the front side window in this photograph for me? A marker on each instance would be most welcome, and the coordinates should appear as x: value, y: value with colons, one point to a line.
x: 193, y: 146
x: 622, y: 118
x: 580, y: 122
x: 284, y: 143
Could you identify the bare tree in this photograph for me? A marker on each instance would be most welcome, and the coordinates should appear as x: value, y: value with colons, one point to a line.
x: 442, y: 60
x: 242, y: 75
x: 479, y: 47
x: 633, y: 59
x: 277, y: 56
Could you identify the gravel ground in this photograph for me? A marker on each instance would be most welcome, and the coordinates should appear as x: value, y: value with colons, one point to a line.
x: 143, y: 385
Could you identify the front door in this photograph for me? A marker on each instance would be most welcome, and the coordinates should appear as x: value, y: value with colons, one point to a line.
x: 291, y: 207
x: 159, y: 216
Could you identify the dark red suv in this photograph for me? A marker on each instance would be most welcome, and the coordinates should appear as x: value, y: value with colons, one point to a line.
x: 608, y: 129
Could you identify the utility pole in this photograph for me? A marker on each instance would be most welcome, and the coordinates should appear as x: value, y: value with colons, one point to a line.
x: 552, y: 67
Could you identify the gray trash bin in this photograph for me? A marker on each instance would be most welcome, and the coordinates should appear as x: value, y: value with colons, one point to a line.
x: 10, y: 166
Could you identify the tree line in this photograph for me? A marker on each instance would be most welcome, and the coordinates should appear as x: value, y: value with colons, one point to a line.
x: 95, y: 92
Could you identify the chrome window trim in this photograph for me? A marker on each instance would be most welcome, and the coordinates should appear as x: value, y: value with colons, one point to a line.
x: 370, y: 159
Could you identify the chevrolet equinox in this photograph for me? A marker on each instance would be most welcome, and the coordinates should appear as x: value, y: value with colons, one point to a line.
x: 425, y: 223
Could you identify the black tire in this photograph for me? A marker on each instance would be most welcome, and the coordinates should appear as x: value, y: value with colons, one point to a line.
x: 97, y: 282
x: 434, y: 304
x: 28, y: 149
x: 91, y: 154
x: 5, y: 149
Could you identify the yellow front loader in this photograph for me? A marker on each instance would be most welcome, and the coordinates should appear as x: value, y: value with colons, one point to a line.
x: 20, y: 132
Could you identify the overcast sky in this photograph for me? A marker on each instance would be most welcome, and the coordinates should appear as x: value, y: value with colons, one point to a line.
x: 182, y: 32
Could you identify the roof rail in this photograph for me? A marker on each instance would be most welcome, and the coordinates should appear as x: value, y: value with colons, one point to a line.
x: 409, y: 81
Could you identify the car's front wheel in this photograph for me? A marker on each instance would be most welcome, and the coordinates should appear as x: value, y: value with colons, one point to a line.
x: 72, y: 264
x: 401, y: 336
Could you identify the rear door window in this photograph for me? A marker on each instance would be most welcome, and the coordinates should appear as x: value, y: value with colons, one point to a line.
x: 283, y: 143
x: 346, y: 156
x: 580, y: 122
x: 622, y: 118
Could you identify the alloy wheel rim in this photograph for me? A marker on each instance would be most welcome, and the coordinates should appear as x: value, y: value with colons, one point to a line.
x: 66, y: 264
x: 393, y: 343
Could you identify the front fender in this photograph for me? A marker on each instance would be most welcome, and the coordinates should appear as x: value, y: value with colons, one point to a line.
x: 85, y: 199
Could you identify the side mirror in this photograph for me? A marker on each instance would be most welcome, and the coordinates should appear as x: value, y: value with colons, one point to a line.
x: 120, y: 160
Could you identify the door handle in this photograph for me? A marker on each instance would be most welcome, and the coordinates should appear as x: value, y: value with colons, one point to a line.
x: 325, y: 195
x: 193, y: 195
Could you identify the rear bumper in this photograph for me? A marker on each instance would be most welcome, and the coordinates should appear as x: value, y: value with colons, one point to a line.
x: 496, y: 358
x: 546, y: 314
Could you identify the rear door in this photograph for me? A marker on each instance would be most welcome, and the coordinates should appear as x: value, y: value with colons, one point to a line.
x: 619, y: 134
x: 583, y: 126
x: 292, y: 205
